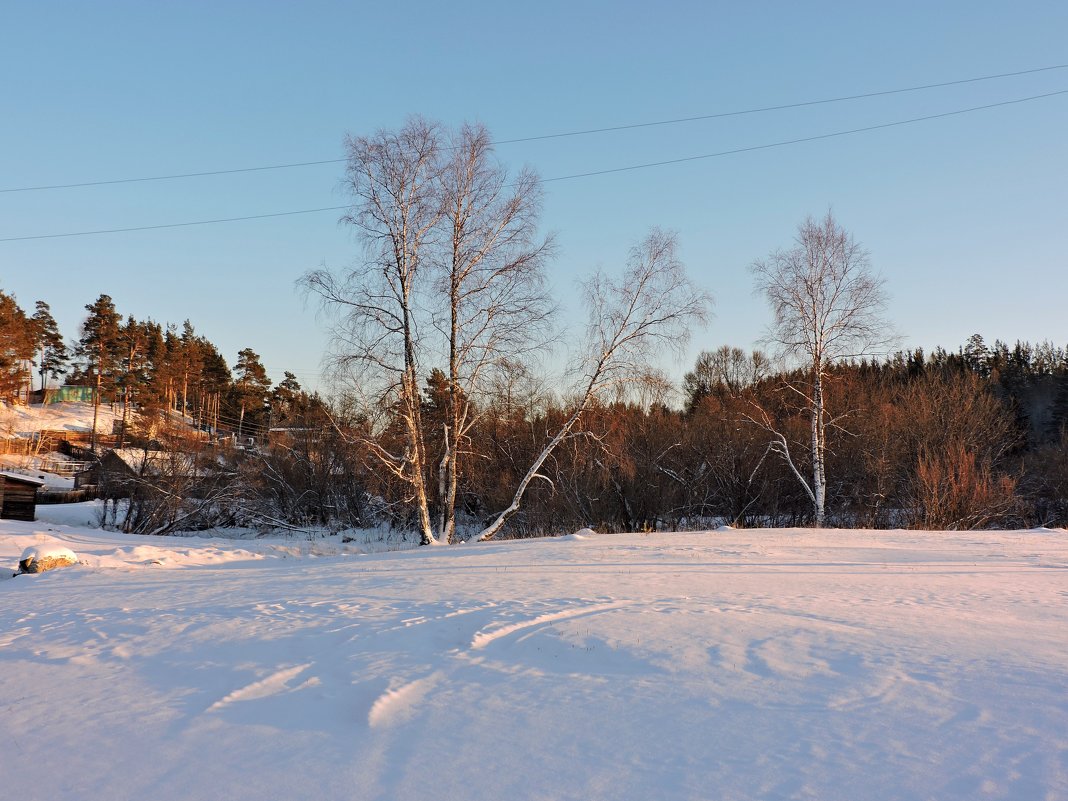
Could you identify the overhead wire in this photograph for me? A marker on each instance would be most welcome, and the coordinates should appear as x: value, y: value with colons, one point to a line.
x: 559, y: 135
x: 782, y: 107
x: 175, y: 225
x: 573, y: 176
x: 803, y: 139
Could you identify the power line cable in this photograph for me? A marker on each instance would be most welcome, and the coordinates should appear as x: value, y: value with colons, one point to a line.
x: 800, y: 140
x: 572, y: 176
x: 176, y: 225
x: 782, y: 107
x: 172, y: 177
x: 561, y: 135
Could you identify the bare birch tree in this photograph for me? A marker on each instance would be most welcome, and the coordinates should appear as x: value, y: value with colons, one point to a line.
x: 493, y: 285
x: 649, y: 311
x: 454, y: 272
x: 393, y: 180
x: 828, y: 305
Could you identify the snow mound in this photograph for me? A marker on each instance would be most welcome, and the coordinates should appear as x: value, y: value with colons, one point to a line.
x: 85, y: 514
x: 46, y: 551
x: 581, y: 534
x: 195, y: 555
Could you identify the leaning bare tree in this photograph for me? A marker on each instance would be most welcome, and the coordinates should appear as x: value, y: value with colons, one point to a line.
x: 650, y: 310
x: 393, y: 180
x: 828, y: 305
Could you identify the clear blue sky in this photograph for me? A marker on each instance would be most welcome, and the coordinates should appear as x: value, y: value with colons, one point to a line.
x: 966, y: 217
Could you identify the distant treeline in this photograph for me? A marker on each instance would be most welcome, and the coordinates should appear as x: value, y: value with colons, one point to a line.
x: 970, y: 438
x: 947, y: 440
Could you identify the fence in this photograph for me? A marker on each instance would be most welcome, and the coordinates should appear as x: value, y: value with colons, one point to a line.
x: 18, y: 445
x: 64, y: 468
x: 62, y: 441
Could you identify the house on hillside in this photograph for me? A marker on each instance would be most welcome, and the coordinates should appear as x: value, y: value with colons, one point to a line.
x: 18, y: 496
x: 121, y: 467
x: 156, y: 477
x: 83, y: 394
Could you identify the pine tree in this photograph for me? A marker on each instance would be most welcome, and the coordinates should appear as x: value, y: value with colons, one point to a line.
x: 212, y: 384
x: 189, y: 364
x: 16, y: 347
x: 250, y: 389
x: 133, y: 345
x: 52, y: 354
x: 976, y: 355
x: 154, y: 398
x: 100, y: 349
x: 287, y: 399
x: 1058, y: 421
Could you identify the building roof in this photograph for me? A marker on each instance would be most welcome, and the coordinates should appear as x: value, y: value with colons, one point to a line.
x: 155, y: 462
x: 7, y: 474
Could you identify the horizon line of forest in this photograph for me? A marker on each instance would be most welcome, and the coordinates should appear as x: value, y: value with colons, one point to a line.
x: 969, y: 438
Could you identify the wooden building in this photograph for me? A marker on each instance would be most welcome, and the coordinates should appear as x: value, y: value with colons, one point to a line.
x: 120, y: 468
x: 18, y: 496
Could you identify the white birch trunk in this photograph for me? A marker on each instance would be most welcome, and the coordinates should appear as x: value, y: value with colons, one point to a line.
x: 819, y: 475
x: 493, y: 528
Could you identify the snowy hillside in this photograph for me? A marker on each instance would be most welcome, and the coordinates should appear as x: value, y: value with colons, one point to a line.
x: 22, y: 421
x: 722, y: 665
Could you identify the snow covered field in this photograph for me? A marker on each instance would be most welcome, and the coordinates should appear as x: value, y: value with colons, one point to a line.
x: 721, y: 665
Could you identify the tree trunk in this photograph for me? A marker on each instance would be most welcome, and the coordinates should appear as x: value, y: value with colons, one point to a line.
x: 96, y: 410
x: 125, y: 413
x: 819, y: 474
x: 453, y: 479
x: 422, y: 506
x: 493, y: 528
x: 416, y: 446
x: 447, y: 487
x: 444, y: 534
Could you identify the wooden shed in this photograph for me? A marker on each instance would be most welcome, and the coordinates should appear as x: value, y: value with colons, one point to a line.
x: 18, y: 496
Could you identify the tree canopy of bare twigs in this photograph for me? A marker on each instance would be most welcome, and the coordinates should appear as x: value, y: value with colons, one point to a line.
x: 724, y: 371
